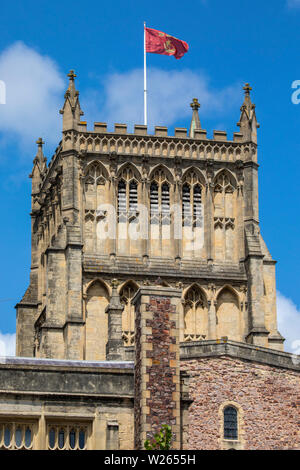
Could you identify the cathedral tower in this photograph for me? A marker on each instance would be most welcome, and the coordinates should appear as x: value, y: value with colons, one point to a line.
x: 115, y: 211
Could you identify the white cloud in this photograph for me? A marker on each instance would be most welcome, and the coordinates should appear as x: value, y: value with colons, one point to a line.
x: 289, y: 323
x: 34, y: 95
x: 35, y: 87
x: 169, y: 95
x: 7, y: 344
x: 293, y: 3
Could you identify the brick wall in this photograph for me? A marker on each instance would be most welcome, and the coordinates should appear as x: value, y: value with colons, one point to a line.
x: 157, y: 394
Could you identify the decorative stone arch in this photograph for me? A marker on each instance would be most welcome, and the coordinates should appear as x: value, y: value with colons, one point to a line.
x: 161, y: 169
x: 94, y: 164
x: 232, y: 289
x: 131, y: 168
x: 229, y: 174
x: 198, y: 172
x: 128, y: 281
x: 101, y: 282
x: 197, y: 286
x: 228, y: 444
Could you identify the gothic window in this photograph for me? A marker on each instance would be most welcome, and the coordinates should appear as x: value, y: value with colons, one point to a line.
x: 191, y: 204
x: 127, y: 193
x: 160, y: 198
x: 67, y: 437
x: 195, y: 315
x: 95, y: 174
x: 230, y: 423
x: 16, y: 436
x: 127, y: 293
x: 160, y: 219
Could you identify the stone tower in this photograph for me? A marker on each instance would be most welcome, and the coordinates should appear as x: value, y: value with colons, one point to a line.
x: 116, y: 211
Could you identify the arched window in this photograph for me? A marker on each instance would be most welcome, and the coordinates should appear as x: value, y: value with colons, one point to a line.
x: 67, y: 437
x: 230, y: 423
x: 127, y: 191
x: 160, y: 218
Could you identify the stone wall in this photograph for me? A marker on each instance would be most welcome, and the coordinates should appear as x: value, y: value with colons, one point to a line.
x: 267, y: 399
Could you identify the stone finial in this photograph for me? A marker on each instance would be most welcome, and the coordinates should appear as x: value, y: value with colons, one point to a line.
x: 114, y: 283
x: 195, y: 123
x: 115, y: 298
x: 40, y: 142
x: 40, y: 158
x: 71, y: 109
x: 248, y: 123
x: 195, y: 105
x: 72, y: 75
x: 247, y: 88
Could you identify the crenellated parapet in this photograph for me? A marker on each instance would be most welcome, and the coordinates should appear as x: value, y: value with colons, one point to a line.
x: 160, y: 144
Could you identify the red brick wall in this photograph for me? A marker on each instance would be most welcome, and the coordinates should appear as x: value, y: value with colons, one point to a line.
x: 157, y: 387
x: 268, y: 397
x: 161, y: 372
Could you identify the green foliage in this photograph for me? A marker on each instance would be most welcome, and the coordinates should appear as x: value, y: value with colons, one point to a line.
x: 161, y: 440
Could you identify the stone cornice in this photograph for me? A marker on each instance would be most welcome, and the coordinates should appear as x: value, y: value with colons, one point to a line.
x: 242, y: 351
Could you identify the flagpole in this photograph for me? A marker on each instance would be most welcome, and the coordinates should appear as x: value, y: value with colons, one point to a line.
x: 145, y: 78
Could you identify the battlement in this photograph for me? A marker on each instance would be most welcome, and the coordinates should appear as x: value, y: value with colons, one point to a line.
x: 160, y: 131
x: 159, y: 144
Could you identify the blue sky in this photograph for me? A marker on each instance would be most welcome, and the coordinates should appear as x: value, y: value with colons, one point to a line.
x: 230, y: 43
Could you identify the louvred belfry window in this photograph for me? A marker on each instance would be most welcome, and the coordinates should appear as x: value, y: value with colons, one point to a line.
x: 186, y: 204
x: 160, y: 217
x: 165, y: 203
x: 192, y: 203
x: 127, y: 195
x: 121, y: 197
x: 197, y: 205
x: 154, y: 199
x: 133, y: 196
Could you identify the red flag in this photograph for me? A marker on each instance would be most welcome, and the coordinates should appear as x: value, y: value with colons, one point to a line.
x: 162, y: 43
